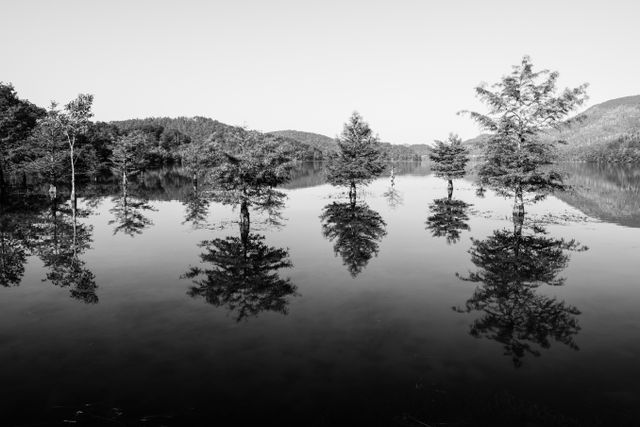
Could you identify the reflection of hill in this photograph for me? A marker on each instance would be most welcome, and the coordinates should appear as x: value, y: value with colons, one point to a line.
x: 606, y: 192
x: 312, y: 174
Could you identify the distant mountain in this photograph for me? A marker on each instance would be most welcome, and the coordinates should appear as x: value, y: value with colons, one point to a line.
x: 328, y: 145
x: 609, y: 131
x: 606, y: 131
x: 200, y: 129
x: 321, y: 142
x: 421, y: 149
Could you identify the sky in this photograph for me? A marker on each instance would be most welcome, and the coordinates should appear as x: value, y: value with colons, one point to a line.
x: 408, y: 66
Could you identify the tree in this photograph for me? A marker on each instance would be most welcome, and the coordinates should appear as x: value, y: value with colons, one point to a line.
x: 357, y: 230
x: 248, y: 170
x: 128, y: 155
x: 392, y: 195
x: 521, y: 107
x: 74, y: 122
x: 46, y: 150
x: 17, y: 119
x: 449, y: 160
x: 359, y: 158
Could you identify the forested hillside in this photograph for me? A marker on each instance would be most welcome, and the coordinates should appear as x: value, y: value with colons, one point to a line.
x: 328, y: 146
x: 173, y: 132
x: 606, y: 132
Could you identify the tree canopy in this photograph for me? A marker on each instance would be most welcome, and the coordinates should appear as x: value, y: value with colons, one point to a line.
x: 449, y: 158
x: 359, y: 159
x: 521, y: 106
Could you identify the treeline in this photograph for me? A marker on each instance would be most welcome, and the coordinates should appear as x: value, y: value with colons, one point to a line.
x: 50, y: 142
x: 622, y: 149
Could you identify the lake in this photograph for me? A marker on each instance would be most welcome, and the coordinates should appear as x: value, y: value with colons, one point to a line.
x: 408, y: 308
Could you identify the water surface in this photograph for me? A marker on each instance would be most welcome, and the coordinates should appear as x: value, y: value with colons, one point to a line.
x: 405, y: 308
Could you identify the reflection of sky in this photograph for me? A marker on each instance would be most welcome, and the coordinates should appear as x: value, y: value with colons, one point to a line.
x: 391, y: 325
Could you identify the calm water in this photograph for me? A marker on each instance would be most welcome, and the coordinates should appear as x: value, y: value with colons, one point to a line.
x: 407, y: 308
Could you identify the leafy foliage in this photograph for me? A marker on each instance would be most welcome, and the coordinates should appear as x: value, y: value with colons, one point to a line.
x: 521, y: 106
x: 128, y: 154
x: 449, y: 158
x: 359, y: 159
x: 17, y: 120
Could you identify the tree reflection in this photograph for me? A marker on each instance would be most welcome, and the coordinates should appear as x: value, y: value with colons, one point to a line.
x: 16, y: 237
x: 196, y: 207
x: 392, y: 195
x: 129, y: 212
x: 356, y: 229
x: 62, y: 239
x: 244, y: 271
x: 448, y: 218
x: 512, y: 265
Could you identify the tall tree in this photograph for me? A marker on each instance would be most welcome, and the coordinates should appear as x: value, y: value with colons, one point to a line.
x: 521, y: 107
x: 359, y: 158
x: 46, y: 151
x: 449, y: 159
x: 128, y: 155
x: 74, y: 121
x: 248, y: 170
x: 17, y: 119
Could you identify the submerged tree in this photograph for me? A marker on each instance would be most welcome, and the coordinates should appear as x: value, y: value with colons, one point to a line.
x: 512, y: 265
x: 359, y: 158
x: 249, y: 169
x: 449, y: 159
x: 392, y: 195
x: 128, y: 155
x: 47, y: 149
x: 522, y: 106
x: 357, y: 230
x: 74, y: 121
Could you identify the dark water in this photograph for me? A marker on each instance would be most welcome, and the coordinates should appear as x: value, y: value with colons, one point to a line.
x: 406, y: 309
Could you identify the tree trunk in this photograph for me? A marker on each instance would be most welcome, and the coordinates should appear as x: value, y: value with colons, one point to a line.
x: 518, y: 203
x: 450, y: 189
x: 245, y: 224
x: 352, y: 193
x: 2, y: 183
x: 518, y: 221
x: 73, y: 175
x: 53, y: 191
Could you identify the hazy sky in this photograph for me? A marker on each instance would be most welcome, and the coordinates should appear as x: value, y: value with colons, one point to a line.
x: 406, y: 65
